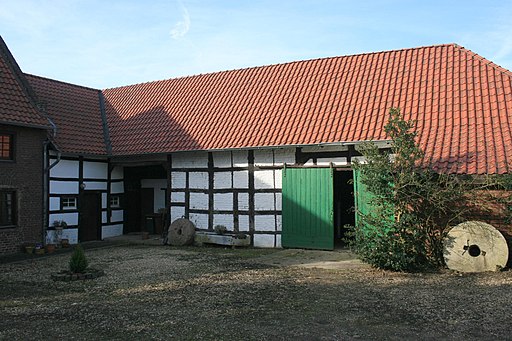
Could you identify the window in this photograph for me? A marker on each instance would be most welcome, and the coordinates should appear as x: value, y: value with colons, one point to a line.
x: 114, y: 201
x: 6, y: 146
x: 7, y: 208
x: 69, y: 203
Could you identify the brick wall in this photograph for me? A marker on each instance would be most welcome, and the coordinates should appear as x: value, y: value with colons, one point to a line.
x: 25, y: 176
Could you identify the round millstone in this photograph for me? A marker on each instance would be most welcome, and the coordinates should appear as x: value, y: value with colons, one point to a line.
x: 181, y: 232
x: 475, y: 246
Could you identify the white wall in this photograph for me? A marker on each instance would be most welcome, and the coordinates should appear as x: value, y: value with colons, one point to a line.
x: 64, y: 181
x: 227, y: 178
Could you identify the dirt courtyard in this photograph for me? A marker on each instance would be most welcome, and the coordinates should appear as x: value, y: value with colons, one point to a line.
x: 207, y: 293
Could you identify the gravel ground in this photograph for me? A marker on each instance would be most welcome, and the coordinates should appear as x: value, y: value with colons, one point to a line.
x: 161, y: 292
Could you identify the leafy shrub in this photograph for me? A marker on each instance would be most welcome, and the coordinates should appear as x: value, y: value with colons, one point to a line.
x: 411, y: 205
x: 78, y: 262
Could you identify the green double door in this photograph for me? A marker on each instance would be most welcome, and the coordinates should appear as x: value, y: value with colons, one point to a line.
x: 308, y: 208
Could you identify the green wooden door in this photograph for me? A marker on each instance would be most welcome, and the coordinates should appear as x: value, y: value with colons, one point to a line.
x: 308, y: 208
x: 361, y: 197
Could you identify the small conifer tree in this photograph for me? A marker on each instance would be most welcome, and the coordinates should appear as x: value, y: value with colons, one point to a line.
x: 78, y: 262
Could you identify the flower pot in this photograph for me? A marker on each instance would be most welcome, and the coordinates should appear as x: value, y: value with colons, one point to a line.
x: 29, y: 249
x: 64, y: 242
x: 39, y: 251
x: 50, y: 248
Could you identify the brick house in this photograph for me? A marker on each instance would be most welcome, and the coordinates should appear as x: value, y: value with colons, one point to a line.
x: 23, y: 138
x: 244, y: 148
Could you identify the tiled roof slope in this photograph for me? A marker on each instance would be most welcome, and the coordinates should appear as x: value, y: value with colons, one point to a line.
x: 75, y: 110
x: 462, y: 104
x: 16, y: 105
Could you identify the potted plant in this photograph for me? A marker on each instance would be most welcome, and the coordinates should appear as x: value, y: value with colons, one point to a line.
x: 39, y: 250
x: 59, y: 224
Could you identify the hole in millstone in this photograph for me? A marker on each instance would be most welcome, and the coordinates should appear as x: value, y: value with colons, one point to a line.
x: 179, y: 232
x: 474, y: 250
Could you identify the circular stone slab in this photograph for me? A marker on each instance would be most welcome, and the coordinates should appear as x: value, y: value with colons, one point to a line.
x: 181, y: 232
x: 475, y: 246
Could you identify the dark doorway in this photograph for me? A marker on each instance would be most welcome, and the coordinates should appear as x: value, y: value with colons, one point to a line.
x: 90, y: 217
x: 147, y: 204
x: 343, y: 204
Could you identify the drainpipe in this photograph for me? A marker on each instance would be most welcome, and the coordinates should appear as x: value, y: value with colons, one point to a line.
x: 46, y: 178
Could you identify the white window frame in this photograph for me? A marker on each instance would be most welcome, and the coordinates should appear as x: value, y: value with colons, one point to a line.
x: 115, y: 201
x: 69, y: 203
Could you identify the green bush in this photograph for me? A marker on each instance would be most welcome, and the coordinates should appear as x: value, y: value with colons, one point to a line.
x: 411, y: 205
x: 78, y: 262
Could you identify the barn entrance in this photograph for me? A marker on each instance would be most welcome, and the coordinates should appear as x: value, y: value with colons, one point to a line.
x: 317, y: 203
x: 145, y: 194
x: 344, y: 213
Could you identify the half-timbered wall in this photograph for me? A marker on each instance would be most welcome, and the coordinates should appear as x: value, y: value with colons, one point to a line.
x: 238, y: 189
x: 72, y: 176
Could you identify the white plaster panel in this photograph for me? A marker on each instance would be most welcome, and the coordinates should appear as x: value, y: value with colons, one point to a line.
x: 263, y: 157
x: 243, y: 201
x: 190, y: 160
x: 199, y: 220
x: 51, y: 237
x: 177, y: 196
x: 199, y: 201
x: 116, y: 187
x: 117, y: 173
x: 95, y: 185
x: 198, y: 180
x: 264, y: 201
x: 223, y: 201
x: 117, y: 215
x: 54, y: 204
x: 222, y: 159
x: 264, y: 179
x: 241, y: 179
x: 240, y: 158
x: 361, y: 159
x: 103, y: 200
x: 159, y: 186
x: 104, y: 217
x: 278, y: 241
x: 309, y: 163
x: 282, y: 156
x: 264, y: 240
x: 69, y: 218
x: 279, y: 222
x: 337, y: 161
x: 264, y: 223
x: 278, y: 178
x: 222, y: 180
x: 177, y: 212
x: 111, y: 231
x: 178, y: 180
x: 95, y: 170
x: 71, y: 235
x: 279, y: 201
x: 243, y: 223
x: 65, y: 169
x: 223, y: 219
x: 64, y: 187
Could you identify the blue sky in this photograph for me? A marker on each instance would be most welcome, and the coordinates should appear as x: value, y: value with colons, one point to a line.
x: 105, y: 44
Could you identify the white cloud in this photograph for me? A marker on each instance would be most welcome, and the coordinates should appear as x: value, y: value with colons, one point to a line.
x: 181, y: 27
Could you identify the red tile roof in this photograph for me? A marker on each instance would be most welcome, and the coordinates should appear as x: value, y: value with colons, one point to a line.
x: 16, y: 105
x: 75, y: 110
x: 462, y: 104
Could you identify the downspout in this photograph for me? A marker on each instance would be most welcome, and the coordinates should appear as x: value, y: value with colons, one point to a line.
x: 46, y: 177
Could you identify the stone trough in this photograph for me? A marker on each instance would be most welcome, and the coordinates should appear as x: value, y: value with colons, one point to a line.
x: 227, y: 239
